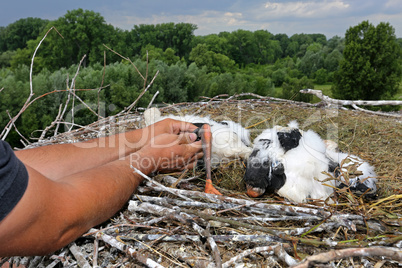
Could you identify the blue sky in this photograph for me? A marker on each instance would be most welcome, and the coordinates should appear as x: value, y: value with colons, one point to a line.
x: 329, y: 17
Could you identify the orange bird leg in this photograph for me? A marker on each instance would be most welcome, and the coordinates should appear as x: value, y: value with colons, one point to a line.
x: 206, y: 139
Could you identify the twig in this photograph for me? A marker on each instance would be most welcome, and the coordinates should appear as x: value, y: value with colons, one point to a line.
x: 142, y: 94
x: 392, y: 253
x: 57, y: 119
x: 160, y: 185
x: 16, y: 129
x: 277, y: 208
x: 96, y: 252
x: 214, y: 248
x: 196, y: 238
x: 82, y: 262
x: 373, y: 112
x: 126, y: 249
x: 7, y: 129
x: 153, y: 99
x: 281, y: 253
x: 247, y: 253
x: 72, y: 91
x: 57, y: 258
x: 103, y: 78
x: 128, y: 59
x: 182, y: 217
x: 225, y: 208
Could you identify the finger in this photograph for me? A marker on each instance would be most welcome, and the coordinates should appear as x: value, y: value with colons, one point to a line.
x: 187, y: 138
x: 195, y: 157
x: 181, y: 126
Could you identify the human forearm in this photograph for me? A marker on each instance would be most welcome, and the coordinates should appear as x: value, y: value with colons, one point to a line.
x: 52, y: 213
x: 59, y: 212
x: 60, y: 160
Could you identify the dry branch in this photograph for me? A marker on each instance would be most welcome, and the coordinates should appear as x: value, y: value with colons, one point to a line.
x: 76, y: 251
x: 128, y: 109
x: 328, y: 101
x: 392, y: 253
x: 160, y: 185
x: 126, y: 249
x: 7, y: 128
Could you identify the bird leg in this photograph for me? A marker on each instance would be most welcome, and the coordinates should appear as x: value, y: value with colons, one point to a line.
x: 206, y: 140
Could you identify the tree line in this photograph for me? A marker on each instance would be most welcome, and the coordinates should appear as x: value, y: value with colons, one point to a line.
x: 365, y: 64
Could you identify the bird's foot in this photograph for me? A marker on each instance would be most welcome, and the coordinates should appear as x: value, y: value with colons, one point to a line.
x: 210, y: 189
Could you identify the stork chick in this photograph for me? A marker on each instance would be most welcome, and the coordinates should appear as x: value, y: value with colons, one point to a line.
x: 292, y: 163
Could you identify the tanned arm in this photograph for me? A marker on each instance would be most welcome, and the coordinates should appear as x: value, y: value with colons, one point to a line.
x: 59, y: 160
x: 53, y: 213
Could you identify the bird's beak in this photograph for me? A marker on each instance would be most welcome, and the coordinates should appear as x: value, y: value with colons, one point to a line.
x: 254, y: 191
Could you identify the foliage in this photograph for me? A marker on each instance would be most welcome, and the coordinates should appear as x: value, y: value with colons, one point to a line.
x: 291, y: 89
x: 189, y: 66
x: 16, y: 34
x: 370, y: 69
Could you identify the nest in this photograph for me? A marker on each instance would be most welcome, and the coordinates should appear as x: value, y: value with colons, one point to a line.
x: 170, y: 222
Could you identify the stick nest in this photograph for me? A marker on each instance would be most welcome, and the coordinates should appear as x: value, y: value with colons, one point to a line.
x: 172, y: 222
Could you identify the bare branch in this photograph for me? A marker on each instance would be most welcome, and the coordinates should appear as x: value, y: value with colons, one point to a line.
x: 57, y: 119
x: 160, y: 185
x: 101, y: 86
x: 248, y: 252
x: 18, y: 132
x: 126, y: 249
x: 320, y: 95
x: 328, y: 101
x: 76, y: 251
x: 128, y: 59
x: 128, y: 109
x: 7, y: 129
x: 153, y: 99
x: 392, y: 253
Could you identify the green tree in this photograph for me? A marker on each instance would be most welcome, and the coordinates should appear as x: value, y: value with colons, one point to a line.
x: 370, y: 69
x: 291, y: 89
x: 179, y: 37
x: 5, y: 58
x: 17, y: 34
x: 331, y: 62
x: 321, y: 76
x: 215, y: 62
x: 83, y: 33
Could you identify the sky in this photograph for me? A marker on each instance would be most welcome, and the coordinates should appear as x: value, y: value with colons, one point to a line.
x: 328, y: 17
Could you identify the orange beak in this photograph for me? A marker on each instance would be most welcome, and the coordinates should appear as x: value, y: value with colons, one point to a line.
x: 206, y: 140
x: 254, y: 192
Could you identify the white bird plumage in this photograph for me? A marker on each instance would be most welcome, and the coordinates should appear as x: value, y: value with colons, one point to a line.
x: 292, y: 163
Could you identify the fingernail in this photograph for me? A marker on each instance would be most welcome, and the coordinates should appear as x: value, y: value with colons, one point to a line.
x: 193, y: 136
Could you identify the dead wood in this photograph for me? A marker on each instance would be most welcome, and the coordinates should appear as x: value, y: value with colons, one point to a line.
x: 392, y: 253
x: 327, y: 101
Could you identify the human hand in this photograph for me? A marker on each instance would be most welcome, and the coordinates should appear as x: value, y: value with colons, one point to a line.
x: 168, y: 152
x: 169, y: 126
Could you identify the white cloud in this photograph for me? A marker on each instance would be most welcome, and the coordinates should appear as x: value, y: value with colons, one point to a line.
x: 303, y: 9
x: 331, y: 17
